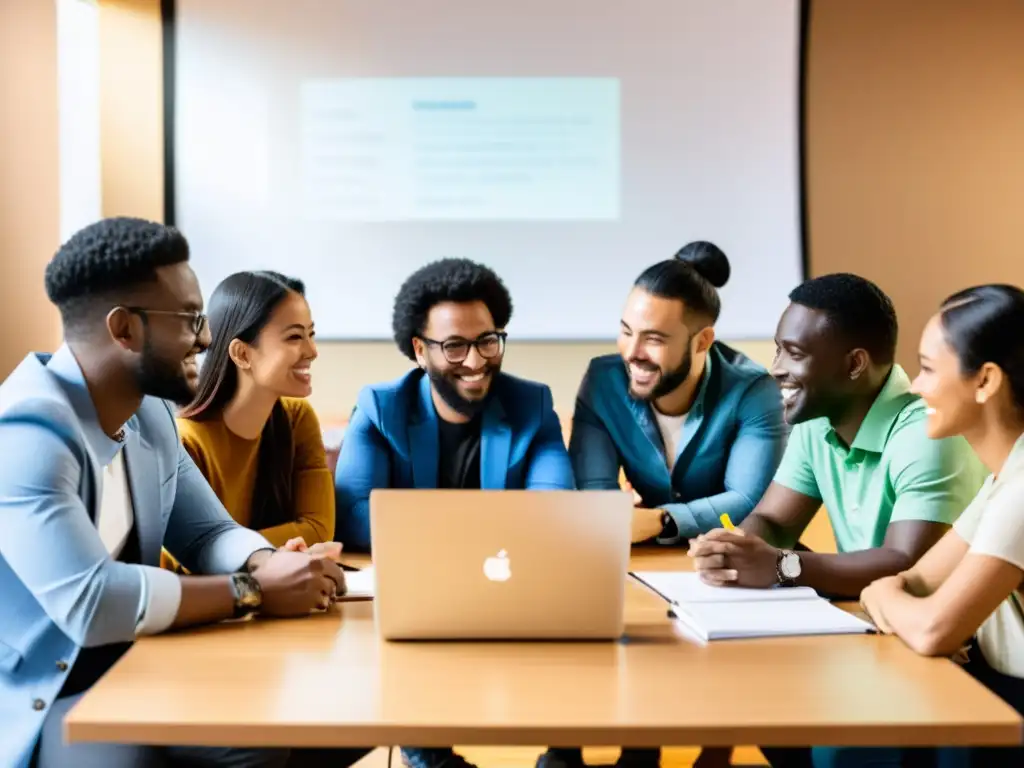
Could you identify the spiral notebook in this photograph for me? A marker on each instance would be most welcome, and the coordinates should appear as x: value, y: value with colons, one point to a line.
x: 725, y: 613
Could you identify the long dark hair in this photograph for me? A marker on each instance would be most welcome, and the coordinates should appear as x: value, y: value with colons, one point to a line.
x: 240, y: 308
x: 693, y: 277
x: 985, y: 324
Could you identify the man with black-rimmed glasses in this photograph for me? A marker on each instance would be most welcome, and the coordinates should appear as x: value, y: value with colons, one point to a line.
x: 455, y: 421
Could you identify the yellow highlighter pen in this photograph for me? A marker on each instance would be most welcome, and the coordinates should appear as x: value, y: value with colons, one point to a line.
x: 726, y: 522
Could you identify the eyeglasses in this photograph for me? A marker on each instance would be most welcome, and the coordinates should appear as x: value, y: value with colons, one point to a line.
x: 489, y: 345
x: 197, y: 319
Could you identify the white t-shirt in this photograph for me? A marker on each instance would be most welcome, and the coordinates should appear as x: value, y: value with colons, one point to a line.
x: 671, y: 428
x: 993, y: 524
x: 116, y: 516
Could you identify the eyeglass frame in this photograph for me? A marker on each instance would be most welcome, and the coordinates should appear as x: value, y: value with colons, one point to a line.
x: 501, y: 336
x: 199, y: 319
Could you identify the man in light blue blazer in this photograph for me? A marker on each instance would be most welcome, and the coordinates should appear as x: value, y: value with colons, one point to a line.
x: 456, y: 421
x: 94, y: 481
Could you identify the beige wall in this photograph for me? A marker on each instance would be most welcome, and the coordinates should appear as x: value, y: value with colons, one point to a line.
x: 29, y: 177
x: 131, y: 108
x: 915, y: 164
x: 915, y: 134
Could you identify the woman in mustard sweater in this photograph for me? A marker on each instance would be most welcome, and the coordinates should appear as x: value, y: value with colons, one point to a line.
x: 249, y: 429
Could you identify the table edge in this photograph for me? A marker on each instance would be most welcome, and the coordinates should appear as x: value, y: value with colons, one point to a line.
x: 1010, y: 731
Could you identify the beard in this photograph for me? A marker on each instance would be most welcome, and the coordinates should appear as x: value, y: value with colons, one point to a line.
x: 445, y: 384
x: 668, y: 381
x: 162, y: 378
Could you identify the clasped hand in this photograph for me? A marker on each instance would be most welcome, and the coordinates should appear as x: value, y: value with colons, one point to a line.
x: 298, y: 579
x: 873, y: 595
x: 734, y: 558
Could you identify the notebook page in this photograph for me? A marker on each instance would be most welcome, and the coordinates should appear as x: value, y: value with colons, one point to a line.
x: 359, y: 584
x: 723, y: 621
x: 681, y: 587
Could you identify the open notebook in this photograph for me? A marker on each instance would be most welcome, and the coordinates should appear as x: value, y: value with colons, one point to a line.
x: 722, y: 613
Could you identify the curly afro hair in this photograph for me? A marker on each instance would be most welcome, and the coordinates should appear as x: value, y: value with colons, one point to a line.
x: 106, y: 257
x: 855, y: 307
x: 458, y: 280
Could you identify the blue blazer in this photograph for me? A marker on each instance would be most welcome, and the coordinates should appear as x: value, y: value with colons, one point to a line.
x: 732, y: 441
x: 392, y: 442
x: 60, y: 589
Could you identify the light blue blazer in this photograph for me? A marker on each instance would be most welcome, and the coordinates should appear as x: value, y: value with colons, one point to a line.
x: 59, y: 589
x: 392, y: 442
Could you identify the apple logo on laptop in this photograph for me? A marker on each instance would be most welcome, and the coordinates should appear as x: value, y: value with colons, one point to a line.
x: 498, y: 568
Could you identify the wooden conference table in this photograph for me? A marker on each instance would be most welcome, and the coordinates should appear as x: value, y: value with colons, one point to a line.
x: 329, y: 681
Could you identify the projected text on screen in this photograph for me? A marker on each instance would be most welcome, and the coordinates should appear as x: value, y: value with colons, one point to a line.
x: 401, y: 149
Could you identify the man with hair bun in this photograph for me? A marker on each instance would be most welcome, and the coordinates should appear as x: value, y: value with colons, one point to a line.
x: 695, y: 425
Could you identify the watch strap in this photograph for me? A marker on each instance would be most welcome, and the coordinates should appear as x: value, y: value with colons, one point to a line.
x: 669, y: 529
x: 247, y: 594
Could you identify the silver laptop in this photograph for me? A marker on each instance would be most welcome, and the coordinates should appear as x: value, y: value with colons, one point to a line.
x: 503, y: 565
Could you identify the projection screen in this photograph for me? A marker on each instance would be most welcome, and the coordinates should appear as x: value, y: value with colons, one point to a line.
x: 568, y: 145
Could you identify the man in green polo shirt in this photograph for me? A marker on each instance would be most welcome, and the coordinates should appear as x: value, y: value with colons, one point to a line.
x: 858, y: 446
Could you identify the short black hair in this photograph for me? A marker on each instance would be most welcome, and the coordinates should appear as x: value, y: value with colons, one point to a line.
x: 458, y: 280
x: 108, y: 256
x: 857, y: 308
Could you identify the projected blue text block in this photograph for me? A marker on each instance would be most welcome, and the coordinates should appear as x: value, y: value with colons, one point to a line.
x: 399, y: 149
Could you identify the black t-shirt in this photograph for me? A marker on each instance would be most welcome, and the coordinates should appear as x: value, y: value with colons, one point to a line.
x: 459, y: 464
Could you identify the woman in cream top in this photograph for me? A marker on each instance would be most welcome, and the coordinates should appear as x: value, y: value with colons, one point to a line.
x: 250, y: 430
x: 970, y: 583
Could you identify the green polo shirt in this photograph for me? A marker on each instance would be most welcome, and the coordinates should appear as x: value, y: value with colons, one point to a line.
x: 892, y: 472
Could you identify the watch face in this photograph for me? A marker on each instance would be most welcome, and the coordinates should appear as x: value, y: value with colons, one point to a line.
x: 790, y: 565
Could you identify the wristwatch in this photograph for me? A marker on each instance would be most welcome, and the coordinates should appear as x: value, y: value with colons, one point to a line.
x: 247, y: 593
x: 669, y: 529
x: 787, y: 567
